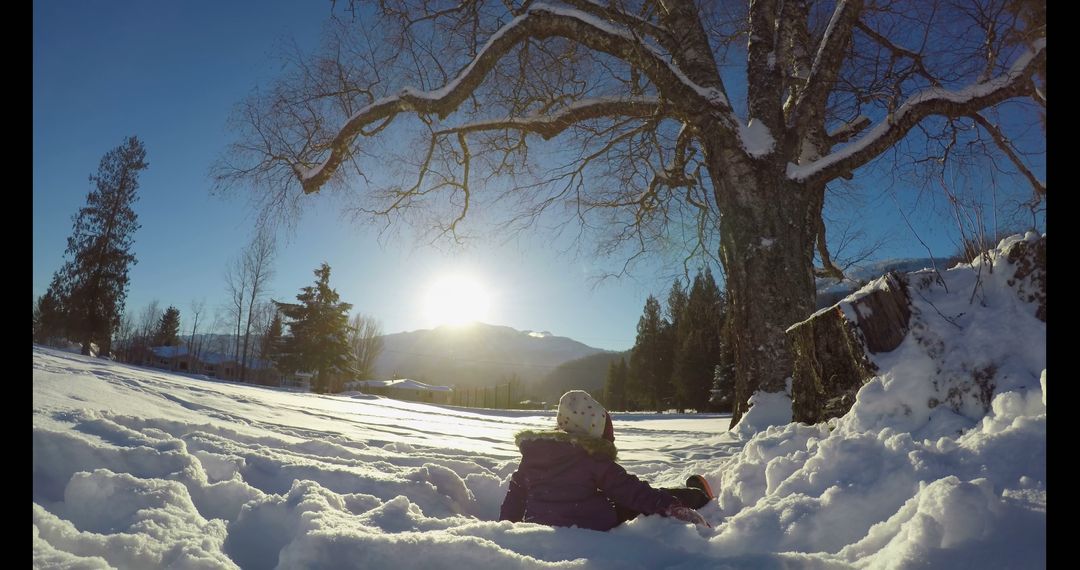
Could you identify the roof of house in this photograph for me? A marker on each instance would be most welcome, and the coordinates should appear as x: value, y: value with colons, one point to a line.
x: 403, y: 384
x: 208, y: 357
x: 169, y: 351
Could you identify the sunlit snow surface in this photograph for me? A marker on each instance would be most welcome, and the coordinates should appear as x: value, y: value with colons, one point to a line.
x: 137, y: 468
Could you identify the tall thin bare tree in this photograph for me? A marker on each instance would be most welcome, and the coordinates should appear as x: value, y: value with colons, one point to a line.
x: 366, y: 343
x: 258, y: 265
x: 197, y: 308
x: 237, y: 281
x: 144, y: 327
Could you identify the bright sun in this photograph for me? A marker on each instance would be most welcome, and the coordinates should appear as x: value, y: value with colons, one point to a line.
x: 456, y: 300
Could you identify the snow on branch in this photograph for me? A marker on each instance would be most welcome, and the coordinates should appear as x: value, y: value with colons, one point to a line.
x: 604, y: 10
x: 931, y: 101
x: 539, y: 21
x: 551, y: 125
x: 849, y: 130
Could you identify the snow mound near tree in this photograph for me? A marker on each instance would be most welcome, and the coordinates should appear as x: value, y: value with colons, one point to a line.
x: 940, y: 461
x: 140, y: 468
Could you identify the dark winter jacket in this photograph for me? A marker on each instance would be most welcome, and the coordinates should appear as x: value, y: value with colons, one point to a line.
x: 573, y: 480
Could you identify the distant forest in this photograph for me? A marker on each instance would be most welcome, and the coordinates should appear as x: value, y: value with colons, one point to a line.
x: 587, y: 373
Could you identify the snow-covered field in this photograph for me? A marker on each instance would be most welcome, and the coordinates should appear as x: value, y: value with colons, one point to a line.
x: 137, y: 468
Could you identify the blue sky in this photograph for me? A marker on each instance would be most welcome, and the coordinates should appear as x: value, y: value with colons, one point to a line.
x: 170, y: 73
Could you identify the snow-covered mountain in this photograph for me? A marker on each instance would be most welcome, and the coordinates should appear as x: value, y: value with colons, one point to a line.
x: 476, y: 354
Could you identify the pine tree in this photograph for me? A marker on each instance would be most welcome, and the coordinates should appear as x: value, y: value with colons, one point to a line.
x: 168, y: 329
x: 318, y: 334
x: 676, y: 303
x: 48, y: 318
x: 699, y: 349
x: 651, y: 357
x: 92, y: 285
x: 271, y: 340
x: 615, y: 386
x: 674, y: 337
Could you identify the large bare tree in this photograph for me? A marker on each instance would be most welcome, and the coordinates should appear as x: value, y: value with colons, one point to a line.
x: 648, y: 120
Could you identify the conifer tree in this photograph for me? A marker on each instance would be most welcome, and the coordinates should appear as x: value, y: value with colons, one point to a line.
x: 168, y: 329
x: 318, y: 334
x: 674, y: 336
x: 699, y: 351
x: 271, y: 340
x: 615, y: 385
x: 91, y: 286
x: 651, y: 357
x: 48, y: 318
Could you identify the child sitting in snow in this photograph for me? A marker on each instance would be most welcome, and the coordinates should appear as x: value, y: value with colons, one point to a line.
x: 568, y: 476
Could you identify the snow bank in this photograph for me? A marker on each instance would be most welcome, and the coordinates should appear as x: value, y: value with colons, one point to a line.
x: 141, y: 468
x: 942, y: 458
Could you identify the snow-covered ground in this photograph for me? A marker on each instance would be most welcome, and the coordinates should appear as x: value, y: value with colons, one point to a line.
x: 137, y: 468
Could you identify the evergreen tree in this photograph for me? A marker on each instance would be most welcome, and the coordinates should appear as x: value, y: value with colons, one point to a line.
x: 674, y: 336
x: 676, y: 303
x: 723, y: 390
x: 92, y: 285
x: 271, y: 340
x: 651, y: 357
x: 168, y: 329
x: 615, y: 386
x: 699, y: 349
x: 318, y: 337
x: 48, y: 318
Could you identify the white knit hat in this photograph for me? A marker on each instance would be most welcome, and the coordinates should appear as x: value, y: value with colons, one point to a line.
x: 580, y: 414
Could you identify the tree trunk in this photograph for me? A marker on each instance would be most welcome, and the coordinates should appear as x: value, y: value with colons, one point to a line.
x: 767, y: 233
x: 243, y: 361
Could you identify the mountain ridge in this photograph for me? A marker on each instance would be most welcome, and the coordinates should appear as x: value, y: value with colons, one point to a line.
x: 477, y: 354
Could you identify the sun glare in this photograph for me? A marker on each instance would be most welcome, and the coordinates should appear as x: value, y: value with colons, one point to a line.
x: 456, y: 300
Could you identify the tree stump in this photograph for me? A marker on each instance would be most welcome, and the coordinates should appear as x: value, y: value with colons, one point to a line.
x: 832, y: 347
x: 1029, y: 257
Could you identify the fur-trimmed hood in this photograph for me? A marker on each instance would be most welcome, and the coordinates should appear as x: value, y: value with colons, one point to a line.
x: 593, y: 445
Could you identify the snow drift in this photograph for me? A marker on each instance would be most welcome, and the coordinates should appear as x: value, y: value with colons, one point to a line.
x: 137, y: 468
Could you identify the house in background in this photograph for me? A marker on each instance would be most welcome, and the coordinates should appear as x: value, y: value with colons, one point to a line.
x: 404, y: 389
x: 212, y: 364
x: 300, y: 380
x: 175, y: 358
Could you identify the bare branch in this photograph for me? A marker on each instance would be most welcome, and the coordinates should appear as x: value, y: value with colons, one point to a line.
x: 915, y: 57
x: 810, y: 105
x: 848, y: 130
x: 538, y: 22
x: 550, y: 126
x: 933, y: 101
x: 641, y: 26
x: 829, y: 269
x: 1006, y: 147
